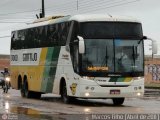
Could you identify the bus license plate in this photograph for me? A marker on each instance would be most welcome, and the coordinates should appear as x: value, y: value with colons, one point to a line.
x: 115, y: 92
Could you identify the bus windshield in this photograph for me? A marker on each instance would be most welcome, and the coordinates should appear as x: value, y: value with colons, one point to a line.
x: 112, y: 56
x: 105, y: 54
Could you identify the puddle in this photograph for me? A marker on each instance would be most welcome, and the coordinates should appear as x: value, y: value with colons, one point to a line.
x: 30, y: 113
x: 22, y: 110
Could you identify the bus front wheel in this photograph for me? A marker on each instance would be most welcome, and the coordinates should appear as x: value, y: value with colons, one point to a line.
x: 118, y: 101
x: 64, y: 96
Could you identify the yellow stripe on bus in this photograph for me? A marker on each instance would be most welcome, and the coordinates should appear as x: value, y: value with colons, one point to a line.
x: 41, y: 68
x: 128, y: 79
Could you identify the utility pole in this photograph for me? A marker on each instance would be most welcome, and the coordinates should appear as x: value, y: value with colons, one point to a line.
x: 43, y: 12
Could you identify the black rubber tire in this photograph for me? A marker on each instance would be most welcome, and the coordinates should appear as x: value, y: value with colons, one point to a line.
x: 64, y: 96
x: 27, y: 93
x: 5, y: 88
x: 22, y: 90
x: 36, y: 95
x: 118, y: 101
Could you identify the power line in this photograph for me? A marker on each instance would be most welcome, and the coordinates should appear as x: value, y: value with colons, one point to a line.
x: 19, y: 12
x: 120, y: 4
x: 104, y: 5
x: 11, y: 22
x: 86, y: 8
x: 55, y: 5
x: 65, y: 9
x: 86, y: 4
x: 29, y: 11
x: 6, y: 3
x: 4, y: 36
x: 89, y: 3
x: 58, y: 8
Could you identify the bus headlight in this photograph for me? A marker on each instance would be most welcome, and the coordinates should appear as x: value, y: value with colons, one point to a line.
x: 138, y: 94
x: 87, y: 94
x: 8, y: 79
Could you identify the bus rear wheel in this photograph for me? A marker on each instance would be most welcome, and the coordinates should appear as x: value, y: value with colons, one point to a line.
x: 24, y: 90
x: 29, y: 94
x: 118, y: 101
x: 36, y: 95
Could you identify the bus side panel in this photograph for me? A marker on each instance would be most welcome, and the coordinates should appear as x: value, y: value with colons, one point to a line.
x: 50, y: 69
x: 64, y: 70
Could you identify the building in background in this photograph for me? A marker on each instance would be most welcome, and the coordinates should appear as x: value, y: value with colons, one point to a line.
x: 152, y: 70
x: 4, y: 61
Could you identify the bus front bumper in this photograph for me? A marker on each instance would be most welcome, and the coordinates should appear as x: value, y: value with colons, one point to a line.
x: 95, y: 92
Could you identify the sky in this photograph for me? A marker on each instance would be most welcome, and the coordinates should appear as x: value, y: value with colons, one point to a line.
x: 15, y: 13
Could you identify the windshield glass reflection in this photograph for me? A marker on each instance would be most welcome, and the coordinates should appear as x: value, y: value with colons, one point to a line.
x: 108, y: 55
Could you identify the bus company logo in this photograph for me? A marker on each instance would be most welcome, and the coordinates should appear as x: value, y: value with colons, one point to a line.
x: 73, y: 88
x: 65, y: 56
x: 4, y: 117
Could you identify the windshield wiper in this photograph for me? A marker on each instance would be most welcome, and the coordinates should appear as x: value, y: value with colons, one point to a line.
x: 134, y: 58
x: 105, y: 61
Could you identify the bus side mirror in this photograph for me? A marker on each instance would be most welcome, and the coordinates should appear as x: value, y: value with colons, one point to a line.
x: 154, y: 47
x: 81, y: 45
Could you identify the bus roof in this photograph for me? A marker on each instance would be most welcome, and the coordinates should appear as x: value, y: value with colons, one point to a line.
x: 101, y: 17
x: 78, y: 18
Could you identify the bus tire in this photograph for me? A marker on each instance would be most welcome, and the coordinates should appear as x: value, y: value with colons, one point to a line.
x: 22, y: 90
x: 64, y: 96
x: 27, y: 93
x: 118, y: 101
x: 36, y: 95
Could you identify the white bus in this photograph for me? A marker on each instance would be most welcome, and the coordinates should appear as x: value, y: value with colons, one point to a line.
x: 80, y: 56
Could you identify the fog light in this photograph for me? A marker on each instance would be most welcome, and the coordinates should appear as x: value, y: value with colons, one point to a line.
x: 86, y: 110
x: 138, y: 94
x: 86, y: 94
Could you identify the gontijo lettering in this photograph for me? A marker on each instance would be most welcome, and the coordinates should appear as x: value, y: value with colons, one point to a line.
x: 30, y: 57
x: 14, y: 57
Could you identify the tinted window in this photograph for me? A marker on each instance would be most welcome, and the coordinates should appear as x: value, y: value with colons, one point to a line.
x: 43, y: 36
x: 94, y: 30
